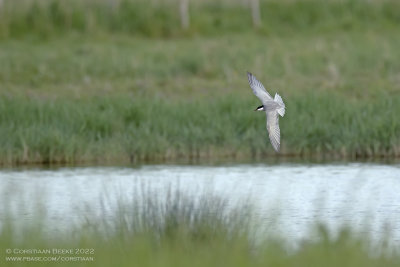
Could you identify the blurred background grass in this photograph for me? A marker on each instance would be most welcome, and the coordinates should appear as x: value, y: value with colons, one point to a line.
x: 161, y: 18
x: 106, y: 81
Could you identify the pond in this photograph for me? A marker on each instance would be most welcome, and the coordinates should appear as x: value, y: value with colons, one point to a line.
x: 364, y: 196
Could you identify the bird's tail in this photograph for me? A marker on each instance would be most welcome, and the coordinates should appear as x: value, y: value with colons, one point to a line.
x: 281, y: 109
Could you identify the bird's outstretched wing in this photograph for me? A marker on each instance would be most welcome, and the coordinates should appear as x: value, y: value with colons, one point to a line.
x: 258, y: 88
x: 273, y: 129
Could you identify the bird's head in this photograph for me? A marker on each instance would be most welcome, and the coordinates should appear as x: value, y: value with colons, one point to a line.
x: 260, y: 108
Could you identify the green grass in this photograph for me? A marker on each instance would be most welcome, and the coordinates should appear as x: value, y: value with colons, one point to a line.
x: 106, y: 94
x: 45, y: 18
x: 98, y: 100
x: 105, y: 130
x: 176, y: 230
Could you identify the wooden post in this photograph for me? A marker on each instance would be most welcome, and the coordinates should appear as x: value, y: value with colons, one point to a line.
x: 184, y: 12
x: 255, y: 12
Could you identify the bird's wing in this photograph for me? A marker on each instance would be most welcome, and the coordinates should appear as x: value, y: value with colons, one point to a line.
x: 258, y: 88
x: 273, y: 129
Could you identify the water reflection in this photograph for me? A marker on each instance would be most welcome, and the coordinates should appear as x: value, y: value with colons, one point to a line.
x: 364, y: 196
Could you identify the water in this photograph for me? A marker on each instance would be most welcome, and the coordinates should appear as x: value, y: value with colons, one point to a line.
x: 363, y: 196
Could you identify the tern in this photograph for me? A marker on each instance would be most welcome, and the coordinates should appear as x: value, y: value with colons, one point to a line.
x: 273, y: 107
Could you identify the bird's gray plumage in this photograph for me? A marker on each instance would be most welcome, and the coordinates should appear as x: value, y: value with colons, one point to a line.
x: 258, y: 88
x: 273, y: 107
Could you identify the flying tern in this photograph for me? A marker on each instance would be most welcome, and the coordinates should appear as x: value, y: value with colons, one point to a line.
x: 273, y: 107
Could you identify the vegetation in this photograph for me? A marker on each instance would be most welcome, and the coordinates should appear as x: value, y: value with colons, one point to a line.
x: 112, y: 86
x: 175, y: 230
x: 64, y: 101
x: 120, y: 80
x: 46, y: 18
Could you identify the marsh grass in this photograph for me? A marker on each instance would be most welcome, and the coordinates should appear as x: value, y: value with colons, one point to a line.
x: 178, y: 230
x: 72, y: 131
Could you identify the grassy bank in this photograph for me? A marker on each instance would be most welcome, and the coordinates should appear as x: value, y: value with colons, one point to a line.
x: 176, y: 230
x: 105, y: 130
x: 101, y: 100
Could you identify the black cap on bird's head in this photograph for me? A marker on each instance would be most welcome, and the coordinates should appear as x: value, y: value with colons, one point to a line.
x: 260, y: 108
